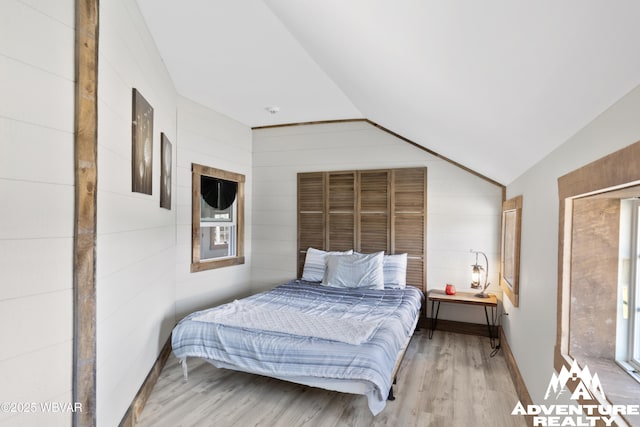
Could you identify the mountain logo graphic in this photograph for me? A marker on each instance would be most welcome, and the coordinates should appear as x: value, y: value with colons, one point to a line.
x: 587, y: 387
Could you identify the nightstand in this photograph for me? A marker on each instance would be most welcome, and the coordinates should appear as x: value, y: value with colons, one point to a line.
x: 438, y: 296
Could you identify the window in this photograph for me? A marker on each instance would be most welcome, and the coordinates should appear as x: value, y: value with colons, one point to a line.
x: 628, y: 330
x: 589, y: 270
x: 217, y: 218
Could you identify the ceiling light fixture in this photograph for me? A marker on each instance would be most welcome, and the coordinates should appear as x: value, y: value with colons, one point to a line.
x: 273, y: 109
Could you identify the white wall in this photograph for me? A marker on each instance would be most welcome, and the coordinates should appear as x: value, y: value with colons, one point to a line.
x: 136, y: 242
x: 209, y: 139
x: 531, y: 328
x: 463, y: 211
x: 36, y: 212
x: 140, y: 253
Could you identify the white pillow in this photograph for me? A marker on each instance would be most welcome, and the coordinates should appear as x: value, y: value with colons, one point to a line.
x: 355, y: 271
x: 395, y: 271
x: 315, y: 264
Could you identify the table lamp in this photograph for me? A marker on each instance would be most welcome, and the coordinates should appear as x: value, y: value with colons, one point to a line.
x: 476, y: 274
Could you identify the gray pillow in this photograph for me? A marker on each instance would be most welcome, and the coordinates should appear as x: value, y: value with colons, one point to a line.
x: 355, y: 271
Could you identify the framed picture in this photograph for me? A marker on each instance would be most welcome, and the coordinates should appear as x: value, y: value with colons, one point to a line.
x: 142, y: 145
x: 510, y: 248
x: 165, y: 171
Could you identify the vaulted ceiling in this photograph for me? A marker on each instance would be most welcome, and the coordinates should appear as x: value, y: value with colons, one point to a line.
x: 494, y: 85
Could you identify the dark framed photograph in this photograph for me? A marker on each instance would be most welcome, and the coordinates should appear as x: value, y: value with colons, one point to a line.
x: 142, y: 145
x: 165, y: 171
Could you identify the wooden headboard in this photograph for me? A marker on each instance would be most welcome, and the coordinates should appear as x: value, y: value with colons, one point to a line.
x: 368, y: 211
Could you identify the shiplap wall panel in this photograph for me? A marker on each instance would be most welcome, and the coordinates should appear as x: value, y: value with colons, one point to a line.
x: 31, y: 159
x: 136, y: 240
x: 21, y: 279
x: 317, y: 147
x: 130, y: 282
x: 37, y: 96
x: 36, y: 215
x: 31, y: 325
x: 22, y: 219
x: 52, y: 50
x: 62, y: 12
x: 112, y: 160
x: 38, y: 376
x: 151, y: 291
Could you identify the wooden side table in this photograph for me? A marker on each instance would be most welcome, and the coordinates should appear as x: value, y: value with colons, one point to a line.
x: 438, y: 296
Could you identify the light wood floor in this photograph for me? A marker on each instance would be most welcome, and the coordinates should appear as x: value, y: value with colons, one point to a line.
x: 448, y: 381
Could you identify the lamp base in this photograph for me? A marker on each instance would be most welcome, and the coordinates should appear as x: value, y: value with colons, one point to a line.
x: 482, y: 295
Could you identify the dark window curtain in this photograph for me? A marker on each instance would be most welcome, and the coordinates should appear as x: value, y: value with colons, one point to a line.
x: 218, y: 193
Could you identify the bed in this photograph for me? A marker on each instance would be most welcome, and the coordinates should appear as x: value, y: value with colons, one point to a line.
x: 339, y: 333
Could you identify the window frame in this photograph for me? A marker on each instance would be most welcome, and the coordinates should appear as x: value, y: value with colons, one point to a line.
x: 620, y: 169
x: 511, y: 261
x: 631, y: 357
x: 197, y: 264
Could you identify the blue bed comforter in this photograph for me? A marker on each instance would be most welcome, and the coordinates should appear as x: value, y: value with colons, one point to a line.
x: 284, y: 355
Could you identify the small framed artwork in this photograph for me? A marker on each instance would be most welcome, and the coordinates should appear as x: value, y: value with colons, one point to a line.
x: 142, y: 145
x: 165, y: 171
x: 510, y: 248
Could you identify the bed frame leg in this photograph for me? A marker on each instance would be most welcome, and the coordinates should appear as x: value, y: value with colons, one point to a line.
x: 185, y: 370
x: 391, y: 396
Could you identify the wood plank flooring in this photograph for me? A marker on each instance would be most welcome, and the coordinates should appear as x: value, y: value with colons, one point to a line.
x: 448, y: 381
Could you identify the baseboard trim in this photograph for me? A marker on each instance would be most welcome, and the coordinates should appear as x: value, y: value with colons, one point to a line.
x: 516, y: 377
x: 137, y: 405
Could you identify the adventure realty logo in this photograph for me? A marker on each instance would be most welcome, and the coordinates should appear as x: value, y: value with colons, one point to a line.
x: 585, y: 387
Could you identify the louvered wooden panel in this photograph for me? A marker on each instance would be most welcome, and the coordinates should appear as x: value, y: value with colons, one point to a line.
x: 409, y: 215
x: 415, y: 272
x: 311, y: 234
x: 374, y: 233
x: 374, y: 191
x: 311, y: 230
x: 311, y: 214
x: 409, y: 234
x: 341, y: 232
x: 409, y: 186
x: 301, y: 257
x: 365, y: 210
x: 342, y: 195
x: 311, y: 192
